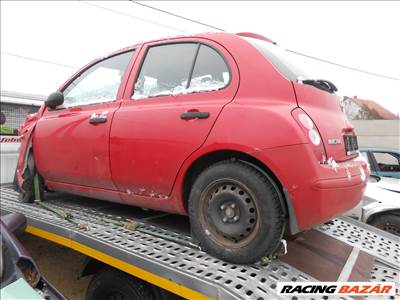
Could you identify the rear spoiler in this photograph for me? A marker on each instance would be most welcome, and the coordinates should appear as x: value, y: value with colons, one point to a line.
x: 256, y: 36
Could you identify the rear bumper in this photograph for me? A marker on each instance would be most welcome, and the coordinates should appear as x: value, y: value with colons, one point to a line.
x: 315, y: 193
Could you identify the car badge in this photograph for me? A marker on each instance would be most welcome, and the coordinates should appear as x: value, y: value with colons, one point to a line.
x: 334, y: 141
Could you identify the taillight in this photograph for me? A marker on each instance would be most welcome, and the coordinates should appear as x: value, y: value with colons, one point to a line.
x: 311, y: 131
x: 314, y: 137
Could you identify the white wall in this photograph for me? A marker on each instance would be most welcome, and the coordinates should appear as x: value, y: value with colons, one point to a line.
x: 378, y: 133
x: 8, y: 158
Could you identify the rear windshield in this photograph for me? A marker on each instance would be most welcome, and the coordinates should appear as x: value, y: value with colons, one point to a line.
x: 280, y: 58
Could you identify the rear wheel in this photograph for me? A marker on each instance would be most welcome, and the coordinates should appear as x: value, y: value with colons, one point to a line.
x: 389, y: 223
x: 235, y: 212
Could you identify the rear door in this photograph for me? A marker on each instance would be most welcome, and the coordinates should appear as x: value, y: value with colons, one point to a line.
x: 179, y: 90
x: 71, y: 143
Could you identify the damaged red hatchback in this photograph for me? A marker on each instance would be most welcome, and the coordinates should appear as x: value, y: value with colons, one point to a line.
x: 221, y: 127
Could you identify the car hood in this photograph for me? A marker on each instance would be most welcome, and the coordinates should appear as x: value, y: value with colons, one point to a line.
x: 382, y: 193
x: 390, y: 184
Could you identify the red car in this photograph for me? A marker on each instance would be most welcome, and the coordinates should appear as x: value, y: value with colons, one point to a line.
x: 221, y: 127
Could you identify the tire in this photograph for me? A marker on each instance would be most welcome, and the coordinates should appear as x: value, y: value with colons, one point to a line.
x: 388, y: 222
x: 28, y: 187
x: 235, y: 213
x: 110, y: 284
x: 15, y: 182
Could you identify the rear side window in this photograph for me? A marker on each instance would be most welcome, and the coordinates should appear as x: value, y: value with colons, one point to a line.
x: 182, y: 68
x: 12, y: 115
x: 99, y: 83
x: 210, y: 71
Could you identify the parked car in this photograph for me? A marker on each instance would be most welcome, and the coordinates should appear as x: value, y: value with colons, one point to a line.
x: 380, y: 206
x: 20, y: 277
x: 383, y: 162
x: 222, y: 127
x: 13, y: 110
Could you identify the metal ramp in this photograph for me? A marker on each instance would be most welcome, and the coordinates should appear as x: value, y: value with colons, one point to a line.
x: 192, y: 273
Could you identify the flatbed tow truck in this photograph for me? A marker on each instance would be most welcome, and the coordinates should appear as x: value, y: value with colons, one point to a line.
x: 163, y: 253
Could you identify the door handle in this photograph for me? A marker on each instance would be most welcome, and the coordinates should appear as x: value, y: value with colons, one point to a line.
x: 97, y: 118
x: 195, y: 115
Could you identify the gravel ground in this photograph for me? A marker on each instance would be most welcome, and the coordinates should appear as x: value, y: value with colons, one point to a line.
x: 60, y: 265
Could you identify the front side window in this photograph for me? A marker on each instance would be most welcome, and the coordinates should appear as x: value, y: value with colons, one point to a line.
x: 387, y: 162
x: 12, y: 115
x: 180, y: 69
x: 99, y: 83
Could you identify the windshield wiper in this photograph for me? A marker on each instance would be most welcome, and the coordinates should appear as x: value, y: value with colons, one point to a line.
x: 322, y: 84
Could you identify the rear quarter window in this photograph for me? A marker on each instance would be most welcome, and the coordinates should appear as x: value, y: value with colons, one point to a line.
x: 282, y: 60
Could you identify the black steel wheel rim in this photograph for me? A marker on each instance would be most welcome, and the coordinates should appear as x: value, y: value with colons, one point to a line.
x: 229, y: 213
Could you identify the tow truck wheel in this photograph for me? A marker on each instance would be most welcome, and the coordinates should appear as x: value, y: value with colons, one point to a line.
x: 389, y: 223
x: 112, y: 284
x: 235, y: 212
x: 28, y: 187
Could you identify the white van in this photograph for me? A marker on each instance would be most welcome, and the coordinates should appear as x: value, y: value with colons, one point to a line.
x: 14, y: 107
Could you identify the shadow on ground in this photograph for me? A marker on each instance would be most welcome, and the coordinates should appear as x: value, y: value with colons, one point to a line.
x: 60, y: 265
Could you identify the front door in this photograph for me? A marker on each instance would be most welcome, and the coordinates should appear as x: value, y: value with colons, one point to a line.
x: 178, y: 94
x: 71, y: 143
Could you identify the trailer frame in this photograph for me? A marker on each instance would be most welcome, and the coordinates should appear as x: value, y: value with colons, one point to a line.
x: 183, y: 270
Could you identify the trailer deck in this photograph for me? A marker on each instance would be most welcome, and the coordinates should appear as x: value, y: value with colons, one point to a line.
x: 344, y: 250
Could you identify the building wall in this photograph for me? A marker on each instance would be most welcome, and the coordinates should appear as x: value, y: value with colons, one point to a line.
x: 15, y: 106
x: 378, y: 133
x: 353, y: 110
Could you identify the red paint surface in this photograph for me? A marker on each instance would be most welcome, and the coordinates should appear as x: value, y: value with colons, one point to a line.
x: 141, y: 155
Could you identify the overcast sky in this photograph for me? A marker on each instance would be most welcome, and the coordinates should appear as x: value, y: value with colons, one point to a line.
x: 362, y: 35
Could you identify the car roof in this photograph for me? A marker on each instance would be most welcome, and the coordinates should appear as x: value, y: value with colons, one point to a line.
x: 207, y: 35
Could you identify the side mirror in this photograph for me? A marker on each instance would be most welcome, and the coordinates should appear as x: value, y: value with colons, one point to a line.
x: 374, y: 178
x: 55, y: 99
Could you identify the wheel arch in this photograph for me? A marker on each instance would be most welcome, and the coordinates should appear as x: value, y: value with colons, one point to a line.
x: 210, y: 158
x: 90, y: 266
x: 394, y: 211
